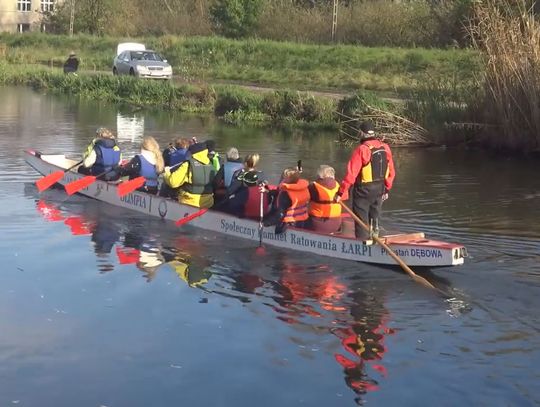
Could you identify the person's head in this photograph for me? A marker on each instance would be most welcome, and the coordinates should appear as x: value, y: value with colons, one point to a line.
x: 197, y: 148
x: 72, y: 54
x: 290, y: 175
x: 102, y: 132
x: 181, y: 142
x: 325, y: 171
x: 232, y: 154
x: 149, y: 143
x: 251, y: 161
x: 367, y: 130
x: 211, y: 145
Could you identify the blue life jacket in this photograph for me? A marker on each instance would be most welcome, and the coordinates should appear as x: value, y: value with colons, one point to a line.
x: 107, y: 156
x: 178, y: 156
x: 229, y: 168
x: 148, y: 171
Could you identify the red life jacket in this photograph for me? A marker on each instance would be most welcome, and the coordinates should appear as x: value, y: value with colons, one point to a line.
x: 299, y: 196
x: 253, y: 202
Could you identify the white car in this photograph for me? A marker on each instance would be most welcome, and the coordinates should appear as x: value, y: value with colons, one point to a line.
x: 134, y: 59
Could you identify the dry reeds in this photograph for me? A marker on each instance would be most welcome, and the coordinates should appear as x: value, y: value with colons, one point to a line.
x: 508, y: 34
x: 394, y: 129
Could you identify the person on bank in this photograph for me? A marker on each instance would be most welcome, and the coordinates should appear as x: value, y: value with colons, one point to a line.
x: 244, y: 195
x: 225, y: 174
x: 148, y: 164
x: 324, y: 213
x: 193, y: 178
x: 72, y: 63
x: 371, y: 173
x: 102, y: 156
x: 291, y: 207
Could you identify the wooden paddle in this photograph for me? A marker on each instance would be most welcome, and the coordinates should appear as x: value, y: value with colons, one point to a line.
x: 49, y: 180
x: 398, y: 260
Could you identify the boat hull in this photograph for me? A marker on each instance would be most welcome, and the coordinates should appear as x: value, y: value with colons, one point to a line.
x: 414, y: 249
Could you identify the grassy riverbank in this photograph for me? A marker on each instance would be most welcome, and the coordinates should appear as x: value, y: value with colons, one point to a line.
x: 231, y: 103
x: 281, y: 64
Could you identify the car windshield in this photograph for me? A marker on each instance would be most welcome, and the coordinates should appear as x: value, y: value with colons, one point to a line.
x: 145, y: 56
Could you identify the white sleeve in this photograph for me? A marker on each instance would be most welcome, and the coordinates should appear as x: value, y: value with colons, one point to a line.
x: 90, y: 160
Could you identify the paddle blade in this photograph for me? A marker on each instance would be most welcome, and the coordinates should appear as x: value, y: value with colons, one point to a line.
x: 76, y: 186
x: 129, y: 186
x: 48, y: 180
x: 188, y: 218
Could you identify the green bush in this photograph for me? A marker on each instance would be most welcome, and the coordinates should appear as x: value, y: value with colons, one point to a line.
x: 235, y: 18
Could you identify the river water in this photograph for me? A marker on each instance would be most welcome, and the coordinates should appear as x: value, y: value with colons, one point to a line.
x: 100, y: 306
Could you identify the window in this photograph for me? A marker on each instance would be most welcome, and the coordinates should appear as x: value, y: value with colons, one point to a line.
x: 23, y: 28
x: 47, y: 5
x: 24, y: 5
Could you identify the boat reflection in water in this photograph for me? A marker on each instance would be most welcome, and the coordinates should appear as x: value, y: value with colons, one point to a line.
x: 118, y: 243
x: 299, y: 295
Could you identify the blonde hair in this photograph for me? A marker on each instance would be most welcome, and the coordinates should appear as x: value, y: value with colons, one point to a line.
x: 181, y: 142
x: 102, y: 132
x: 290, y: 175
x: 251, y: 161
x: 232, y: 154
x: 149, y: 143
x: 325, y: 171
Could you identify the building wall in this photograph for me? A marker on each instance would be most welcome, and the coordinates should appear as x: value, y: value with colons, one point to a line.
x: 13, y: 20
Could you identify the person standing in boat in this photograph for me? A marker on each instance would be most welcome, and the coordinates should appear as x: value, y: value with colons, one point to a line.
x: 371, y: 173
x: 244, y: 195
x: 147, y: 164
x: 324, y: 213
x: 102, y: 155
x: 194, y: 178
x: 225, y: 174
x: 291, y: 207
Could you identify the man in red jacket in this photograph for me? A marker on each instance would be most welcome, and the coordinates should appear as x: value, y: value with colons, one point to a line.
x: 371, y: 171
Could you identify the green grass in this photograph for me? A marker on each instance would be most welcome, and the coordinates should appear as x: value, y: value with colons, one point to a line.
x: 280, y: 64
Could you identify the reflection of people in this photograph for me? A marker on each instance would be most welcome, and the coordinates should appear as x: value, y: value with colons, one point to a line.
x: 102, y: 156
x: 193, y: 276
x: 371, y: 171
x: 72, y: 63
x: 364, y: 343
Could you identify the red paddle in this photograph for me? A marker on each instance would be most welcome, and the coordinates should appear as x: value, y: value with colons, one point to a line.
x: 189, y: 218
x: 49, y: 180
x: 130, y: 185
x: 79, y: 184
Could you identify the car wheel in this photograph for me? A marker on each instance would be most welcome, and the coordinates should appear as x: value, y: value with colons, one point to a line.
x: 114, y: 71
x: 131, y: 72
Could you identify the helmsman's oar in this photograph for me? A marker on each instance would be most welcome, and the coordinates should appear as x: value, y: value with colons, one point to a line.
x: 398, y: 260
x: 49, y: 180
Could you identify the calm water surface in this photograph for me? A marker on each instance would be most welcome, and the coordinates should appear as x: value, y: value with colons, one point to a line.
x: 100, y: 306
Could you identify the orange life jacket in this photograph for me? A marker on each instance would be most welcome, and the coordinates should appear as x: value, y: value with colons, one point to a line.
x: 324, y: 206
x: 299, y: 196
x: 377, y: 169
